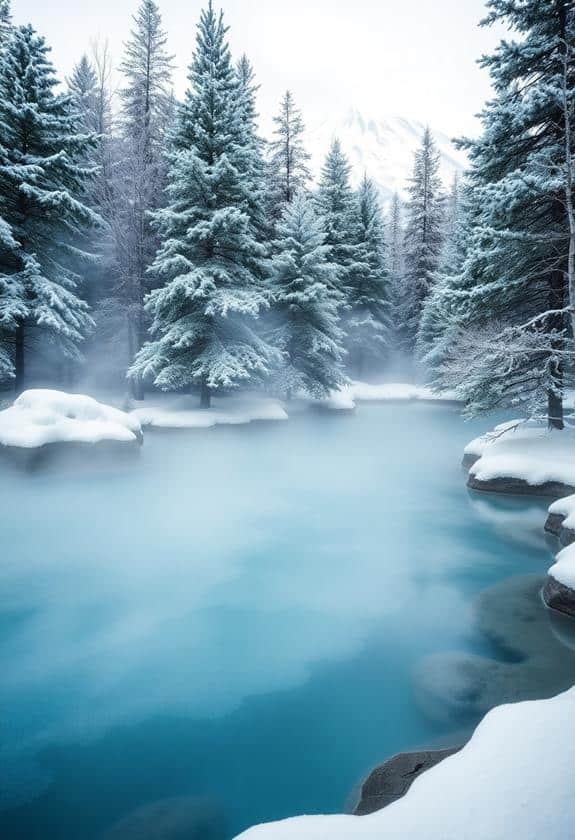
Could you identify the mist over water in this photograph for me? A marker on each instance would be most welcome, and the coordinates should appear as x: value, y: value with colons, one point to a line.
x: 226, y: 630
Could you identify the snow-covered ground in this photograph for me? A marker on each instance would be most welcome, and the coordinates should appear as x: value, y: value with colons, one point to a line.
x: 42, y: 416
x: 182, y: 412
x: 525, y: 451
x: 513, y: 779
x: 347, y: 397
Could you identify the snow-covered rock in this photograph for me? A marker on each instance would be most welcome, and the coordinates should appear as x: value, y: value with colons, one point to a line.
x: 559, y: 590
x: 182, y: 412
x: 524, y: 458
x: 513, y: 779
x: 41, y: 416
x: 561, y: 520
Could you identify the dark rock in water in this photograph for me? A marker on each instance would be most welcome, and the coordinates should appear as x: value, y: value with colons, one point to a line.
x: 529, y: 659
x: 75, y: 454
x: 392, y: 779
x: 520, y: 487
x: 554, y: 525
x: 559, y: 597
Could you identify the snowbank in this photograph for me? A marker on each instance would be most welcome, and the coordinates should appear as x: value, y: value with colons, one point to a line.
x: 347, y: 397
x: 39, y: 417
x: 513, y: 779
x: 181, y: 412
x: 523, y: 458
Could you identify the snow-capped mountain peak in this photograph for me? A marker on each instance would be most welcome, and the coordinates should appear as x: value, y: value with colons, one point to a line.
x: 383, y: 148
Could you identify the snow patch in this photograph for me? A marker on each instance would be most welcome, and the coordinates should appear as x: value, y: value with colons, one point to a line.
x: 42, y: 416
x: 494, y: 788
x: 169, y: 412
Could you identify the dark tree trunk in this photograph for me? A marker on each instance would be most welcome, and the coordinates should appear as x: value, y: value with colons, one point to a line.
x: 19, y: 358
x: 205, y: 395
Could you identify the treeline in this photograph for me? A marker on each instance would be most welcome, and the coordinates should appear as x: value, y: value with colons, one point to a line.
x: 171, y: 241
x: 167, y: 242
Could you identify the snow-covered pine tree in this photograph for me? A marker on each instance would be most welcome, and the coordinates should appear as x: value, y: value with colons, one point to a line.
x: 367, y: 320
x: 5, y: 21
x: 288, y: 159
x: 306, y: 324
x: 514, y: 340
x: 83, y: 90
x: 423, y: 238
x: 145, y: 117
x: 337, y: 207
x: 439, y: 325
x: 42, y: 184
x: 204, y: 316
x: 395, y: 239
x: 254, y: 164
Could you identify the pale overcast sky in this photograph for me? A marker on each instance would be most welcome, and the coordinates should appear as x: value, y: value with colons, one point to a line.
x: 385, y: 57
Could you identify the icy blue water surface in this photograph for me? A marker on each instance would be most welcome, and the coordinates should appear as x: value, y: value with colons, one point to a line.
x: 227, y: 630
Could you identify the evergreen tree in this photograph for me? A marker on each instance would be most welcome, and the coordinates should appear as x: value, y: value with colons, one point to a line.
x: 368, y: 316
x: 395, y: 239
x: 254, y: 165
x: 514, y: 339
x: 423, y: 238
x: 204, y: 316
x: 42, y: 183
x: 288, y: 170
x: 5, y: 21
x: 337, y: 207
x: 306, y: 319
x: 146, y: 109
x: 83, y: 90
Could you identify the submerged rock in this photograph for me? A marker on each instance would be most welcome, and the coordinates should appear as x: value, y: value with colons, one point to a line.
x: 392, y: 779
x: 533, y: 663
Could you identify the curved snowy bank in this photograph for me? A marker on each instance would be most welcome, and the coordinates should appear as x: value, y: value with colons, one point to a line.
x: 494, y: 788
x: 521, y: 458
x: 42, y: 417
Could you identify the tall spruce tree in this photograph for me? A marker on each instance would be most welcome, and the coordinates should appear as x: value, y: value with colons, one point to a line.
x: 83, y: 90
x: 514, y: 340
x: 368, y: 312
x: 145, y: 117
x: 423, y: 238
x: 306, y: 328
x: 204, y: 316
x: 395, y: 239
x: 42, y: 185
x: 337, y: 207
x: 287, y: 166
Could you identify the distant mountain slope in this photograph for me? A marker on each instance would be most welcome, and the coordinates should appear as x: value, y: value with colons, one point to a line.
x: 383, y: 148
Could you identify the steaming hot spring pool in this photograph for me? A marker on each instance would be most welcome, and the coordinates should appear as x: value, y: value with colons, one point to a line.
x: 240, y: 623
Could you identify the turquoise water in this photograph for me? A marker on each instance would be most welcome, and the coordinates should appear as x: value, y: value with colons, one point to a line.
x: 228, y: 629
